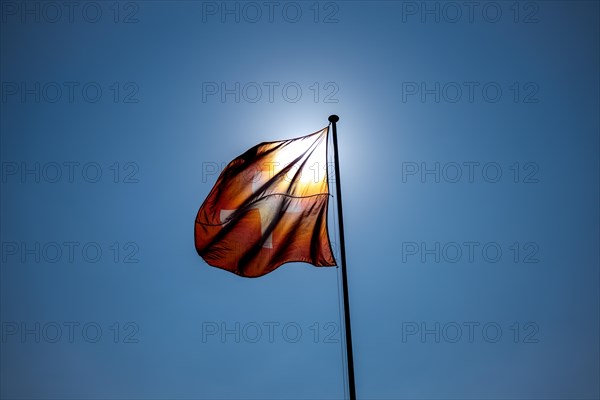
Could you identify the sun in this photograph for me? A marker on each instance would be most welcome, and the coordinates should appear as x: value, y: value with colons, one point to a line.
x: 309, y: 159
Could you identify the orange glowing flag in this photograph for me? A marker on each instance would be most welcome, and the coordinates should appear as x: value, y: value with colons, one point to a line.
x: 268, y: 207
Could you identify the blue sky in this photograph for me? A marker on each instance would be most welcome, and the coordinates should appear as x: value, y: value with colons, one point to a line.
x: 469, y: 160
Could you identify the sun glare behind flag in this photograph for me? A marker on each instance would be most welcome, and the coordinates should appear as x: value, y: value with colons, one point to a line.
x: 268, y: 207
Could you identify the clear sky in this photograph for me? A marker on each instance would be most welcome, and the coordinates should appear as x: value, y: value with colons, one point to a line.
x: 469, y: 156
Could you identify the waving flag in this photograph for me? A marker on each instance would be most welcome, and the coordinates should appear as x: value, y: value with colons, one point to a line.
x: 268, y: 207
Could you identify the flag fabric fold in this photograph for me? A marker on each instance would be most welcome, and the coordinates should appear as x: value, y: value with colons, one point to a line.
x: 269, y: 207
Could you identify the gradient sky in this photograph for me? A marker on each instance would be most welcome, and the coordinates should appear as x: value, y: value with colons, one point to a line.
x: 460, y: 130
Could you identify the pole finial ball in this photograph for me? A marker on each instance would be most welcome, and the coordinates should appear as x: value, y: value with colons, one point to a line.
x: 334, y: 118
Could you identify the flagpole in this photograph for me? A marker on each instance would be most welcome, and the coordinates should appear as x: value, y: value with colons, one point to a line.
x: 338, y: 190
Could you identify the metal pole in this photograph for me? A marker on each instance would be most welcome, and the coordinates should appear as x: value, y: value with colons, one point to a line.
x: 338, y: 187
